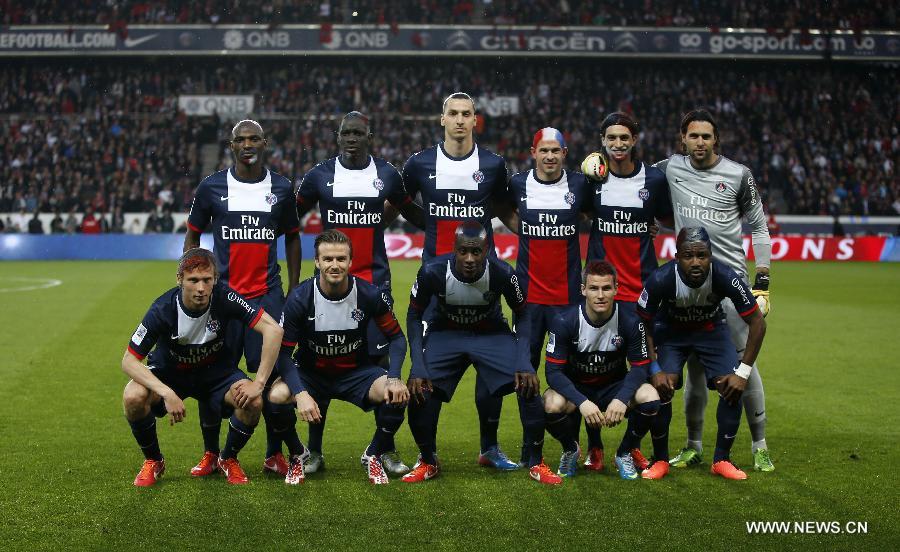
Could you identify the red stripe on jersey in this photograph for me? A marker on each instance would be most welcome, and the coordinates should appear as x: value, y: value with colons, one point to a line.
x: 288, y: 343
x: 555, y: 360
x: 749, y: 311
x: 446, y: 236
x: 336, y: 365
x: 388, y: 324
x: 136, y: 354
x: 248, y: 268
x: 548, y: 281
x: 292, y: 231
x: 258, y: 316
x: 194, y: 228
x: 363, y: 251
x: 640, y: 362
x: 624, y: 252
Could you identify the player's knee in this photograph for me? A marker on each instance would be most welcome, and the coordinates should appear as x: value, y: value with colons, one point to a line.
x: 376, y: 391
x: 646, y: 393
x: 280, y: 394
x: 135, y: 397
x: 554, y: 403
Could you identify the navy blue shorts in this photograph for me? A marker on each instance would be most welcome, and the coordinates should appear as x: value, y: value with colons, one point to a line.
x: 247, y: 342
x: 378, y: 342
x: 351, y: 386
x: 207, y: 384
x: 541, y: 315
x: 713, y: 348
x: 600, y: 395
x: 448, y: 353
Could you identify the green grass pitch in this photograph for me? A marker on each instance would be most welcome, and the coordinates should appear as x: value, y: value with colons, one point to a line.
x: 67, y: 457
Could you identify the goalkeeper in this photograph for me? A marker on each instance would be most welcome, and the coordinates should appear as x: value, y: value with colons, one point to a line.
x: 710, y: 190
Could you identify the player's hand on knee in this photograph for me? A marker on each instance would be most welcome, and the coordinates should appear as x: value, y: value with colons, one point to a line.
x: 395, y: 392
x: 527, y: 384
x: 591, y: 414
x: 307, y: 409
x: 731, y: 387
x: 615, y: 412
x: 247, y: 392
x: 417, y: 388
x: 174, y: 406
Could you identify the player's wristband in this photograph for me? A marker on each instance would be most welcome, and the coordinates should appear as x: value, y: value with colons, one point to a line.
x: 654, y: 368
x: 743, y: 370
x: 761, y: 281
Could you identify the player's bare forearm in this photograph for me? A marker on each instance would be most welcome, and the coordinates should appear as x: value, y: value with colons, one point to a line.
x: 390, y: 214
x: 191, y: 239
x: 292, y: 253
x: 272, y: 334
x: 414, y: 214
x: 755, y: 338
x: 507, y: 214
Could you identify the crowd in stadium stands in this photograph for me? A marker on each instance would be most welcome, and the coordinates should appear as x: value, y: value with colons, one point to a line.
x: 775, y: 14
x: 820, y: 138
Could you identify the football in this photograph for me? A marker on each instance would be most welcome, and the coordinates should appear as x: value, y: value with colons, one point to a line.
x: 595, y: 166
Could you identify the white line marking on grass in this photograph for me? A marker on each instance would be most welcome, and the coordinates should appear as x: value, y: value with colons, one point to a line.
x: 38, y: 283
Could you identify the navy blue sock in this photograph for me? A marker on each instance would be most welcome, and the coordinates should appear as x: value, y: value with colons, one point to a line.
x: 210, y: 427
x: 639, y: 421
x: 144, y: 431
x: 559, y: 426
x: 729, y: 418
x: 575, y: 424
x: 594, y: 440
x: 423, y: 420
x: 388, y: 419
x: 284, y: 424
x: 238, y: 435
x: 533, y: 413
x: 273, y: 438
x: 489, y: 408
x: 659, y: 431
x: 316, y: 431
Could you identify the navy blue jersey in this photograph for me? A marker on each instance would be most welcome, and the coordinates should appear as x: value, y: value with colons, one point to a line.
x: 454, y: 189
x: 186, y: 339
x: 352, y: 201
x: 667, y: 298
x: 549, y: 260
x: 330, y: 334
x: 460, y: 305
x: 588, y: 354
x: 624, y: 208
x: 246, y: 218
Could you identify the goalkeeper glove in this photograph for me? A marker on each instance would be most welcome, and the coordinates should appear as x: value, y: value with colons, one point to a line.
x: 761, y: 292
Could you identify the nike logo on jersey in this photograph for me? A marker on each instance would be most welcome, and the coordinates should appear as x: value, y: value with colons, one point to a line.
x: 382, y: 346
x: 311, y: 317
x: 678, y: 181
x: 225, y: 197
x: 524, y: 198
x: 175, y: 337
x: 432, y: 176
x: 598, y: 192
x: 330, y: 184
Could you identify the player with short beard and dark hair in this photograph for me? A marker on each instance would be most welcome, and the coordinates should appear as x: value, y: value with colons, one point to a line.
x: 246, y: 208
x: 353, y: 192
x: 326, y: 318
x: 184, y: 334
x: 467, y: 327
x: 710, y: 190
x: 684, y: 298
x: 586, y: 353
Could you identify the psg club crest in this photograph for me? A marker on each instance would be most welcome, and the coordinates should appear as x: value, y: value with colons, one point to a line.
x: 357, y: 315
x: 478, y: 177
x: 212, y: 326
x: 617, y: 341
x: 570, y: 198
x: 644, y: 194
x: 720, y: 187
x: 271, y: 199
x: 378, y: 184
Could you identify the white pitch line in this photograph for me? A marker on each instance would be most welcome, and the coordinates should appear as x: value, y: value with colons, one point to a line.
x: 44, y: 283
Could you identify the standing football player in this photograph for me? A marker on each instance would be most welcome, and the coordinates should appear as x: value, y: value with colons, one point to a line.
x: 685, y: 298
x: 625, y: 207
x: 327, y: 318
x: 351, y: 190
x: 460, y: 181
x: 187, y: 326
x: 710, y: 190
x: 586, y: 353
x: 247, y: 207
x: 467, y: 327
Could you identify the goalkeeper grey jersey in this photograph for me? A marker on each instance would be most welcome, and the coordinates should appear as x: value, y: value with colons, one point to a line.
x: 717, y: 198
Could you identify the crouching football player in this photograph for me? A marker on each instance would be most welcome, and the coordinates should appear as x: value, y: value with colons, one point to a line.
x: 186, y: 324
x: 326, y: 318
x: 586, y: 370
x: 468, y: 327
x: 684, y: 297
